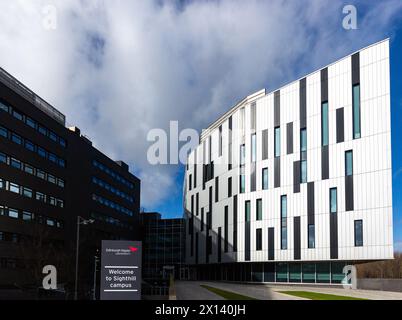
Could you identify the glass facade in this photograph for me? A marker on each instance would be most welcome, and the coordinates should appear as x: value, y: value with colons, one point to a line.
x: 356, y: 112
x: 258, y: 210
x: 333, y: 200
x: 311, y: 236
x: 277, y: 142
x: 349, y: 163
x: 358, y: 233
x: 324, y: 124
x: 265, y: 179
x: 253, y: 148
x: 284, y: 229
x: 247, y: 211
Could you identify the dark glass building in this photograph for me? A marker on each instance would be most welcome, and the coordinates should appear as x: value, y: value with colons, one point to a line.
x: 50, y: 175
x: 163, y: 245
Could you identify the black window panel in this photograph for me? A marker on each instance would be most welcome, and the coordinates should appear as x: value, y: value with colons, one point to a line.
x: 340, y: 123
x: 296, y: 177
x: 229, y: 187
x: 258, y: 239
x: 264, y: 146
x: 271, y: 244
x: 247, y: 246
x: 277, y: 172
x: 202, y: 219
x: 325, y: 162
x: 216, y: 189
x: 333, y: 231
x: 226, y: 236
x: 235, y: 223
x: 324, y: 85
x: 356, y: 68
x: 196, y: 248
x: 349, y: 195
x: 310, y: 202
x: 277, y: 106
x: 297, y: 238
x: 219, y: 244
x: 358, y: 233
x: 289, y: 137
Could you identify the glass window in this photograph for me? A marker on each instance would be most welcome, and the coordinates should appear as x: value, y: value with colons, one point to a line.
x: 14, y: 188
x: 295, y: 272
x: 303, y: 140
x: 29, y: 169
x: 42, y: 152
x: 16, y: 163
x: 52, y: 157
x: 42, y: 130
x: 51, y: 179
x: 259, y: 209
x: 349, y: 163
x: 282, y: 272
x: 283, y: 206
x: 60, y: 204
x: 308, y: 270
x: 16, y: 138
x: 27, y: 192
x: 52, y: 136
x: 50, y: 222
x: 40, y: 197
x: 52, y: 201
x: 40, y: 174
x: 13, y: 213
x: 3, y: 107
x: 242, y: 154
x: 2, y: 184
x: 303, y: 171
x: 29, y: 145
x: 27, y: 216
x: 333, y: 200
x: 3, y: 157
x: 358, y: 233
x: 356, y: 112
x: 60, y: 183
x: 3, y: 132
x: 265, y: 179
x: 242, y: 183
x: 17, y: 115
x: 258, y: 240
x: 62, y: 163
x: 30, y: 122
x: 284, y: 230
x: 311, y: 236
x: 62, y: 142
x: 277, y: 142
x: 253, y: 148
x: 247, y: 211
x: 324, y: 124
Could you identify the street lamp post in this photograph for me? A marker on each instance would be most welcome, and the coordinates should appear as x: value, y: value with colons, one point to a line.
x: 80, y: 220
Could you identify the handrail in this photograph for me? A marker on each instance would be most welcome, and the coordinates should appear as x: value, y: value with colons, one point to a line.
x: 28, y: 94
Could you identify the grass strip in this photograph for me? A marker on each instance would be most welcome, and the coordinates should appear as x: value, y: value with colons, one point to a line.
x: 318, y: 296
x: 228, y: 295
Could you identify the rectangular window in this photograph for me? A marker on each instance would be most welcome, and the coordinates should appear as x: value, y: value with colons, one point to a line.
x: 29, y: 145
x: 42, y: 130
x: 13, y: 213
x: 30, y: 122
x: 303, y: 171
x: 3, y: 157
x: 242, y: 183
x: 3, y: 132
x: 14, y: 188
x: 40, y: 196
x: 216, y: 189
x: 349, y: 163
x: 284, y: 231
x: 27, y: 216
x: 303, y: 140
x: 253, y: 148
x: 258, y: 216
x: 229, y: 187
x: 358, y: 233
x: 220, y: 141
x: 247, y: 211
x: 16, y: 138
x: 42, y: 152
x: 16, y: 163
x: 40, y: 174
x: 311, y: 236
x: 242, y: 154
x: 333, y: 200
x: 27, y: 192
x: 3, y: 107
x: 258, y: 239
x: 265, y: 179
x: 356, y: 112
x: 277, y: 142
x: 324, y: 124
x: 17, y: 115
x: 29, y: 169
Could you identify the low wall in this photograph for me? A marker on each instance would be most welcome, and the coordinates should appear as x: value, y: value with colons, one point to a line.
x: 394, y: 285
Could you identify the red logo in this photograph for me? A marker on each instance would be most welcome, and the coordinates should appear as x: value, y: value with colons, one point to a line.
x: 133, y: 249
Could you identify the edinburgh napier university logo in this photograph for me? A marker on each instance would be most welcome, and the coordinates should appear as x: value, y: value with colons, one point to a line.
x: 121, y: 270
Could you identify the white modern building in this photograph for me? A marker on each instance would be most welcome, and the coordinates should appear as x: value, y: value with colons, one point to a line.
x: 292, y: 185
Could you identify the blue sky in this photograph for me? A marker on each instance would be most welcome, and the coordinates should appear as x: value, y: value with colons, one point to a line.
x: 118, y: 69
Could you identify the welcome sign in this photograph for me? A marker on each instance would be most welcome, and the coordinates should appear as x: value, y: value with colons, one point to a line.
x: 121, y: 270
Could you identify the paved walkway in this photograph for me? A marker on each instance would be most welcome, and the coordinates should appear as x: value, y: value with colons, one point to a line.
x: 192, y: 290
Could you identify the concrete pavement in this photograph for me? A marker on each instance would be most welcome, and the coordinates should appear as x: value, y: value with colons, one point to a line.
x: 192, y: 290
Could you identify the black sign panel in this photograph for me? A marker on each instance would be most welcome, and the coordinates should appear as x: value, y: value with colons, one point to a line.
x: 121, y: 270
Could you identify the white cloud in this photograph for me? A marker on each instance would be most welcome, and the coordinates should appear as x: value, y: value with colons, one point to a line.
x: 119, y: 68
